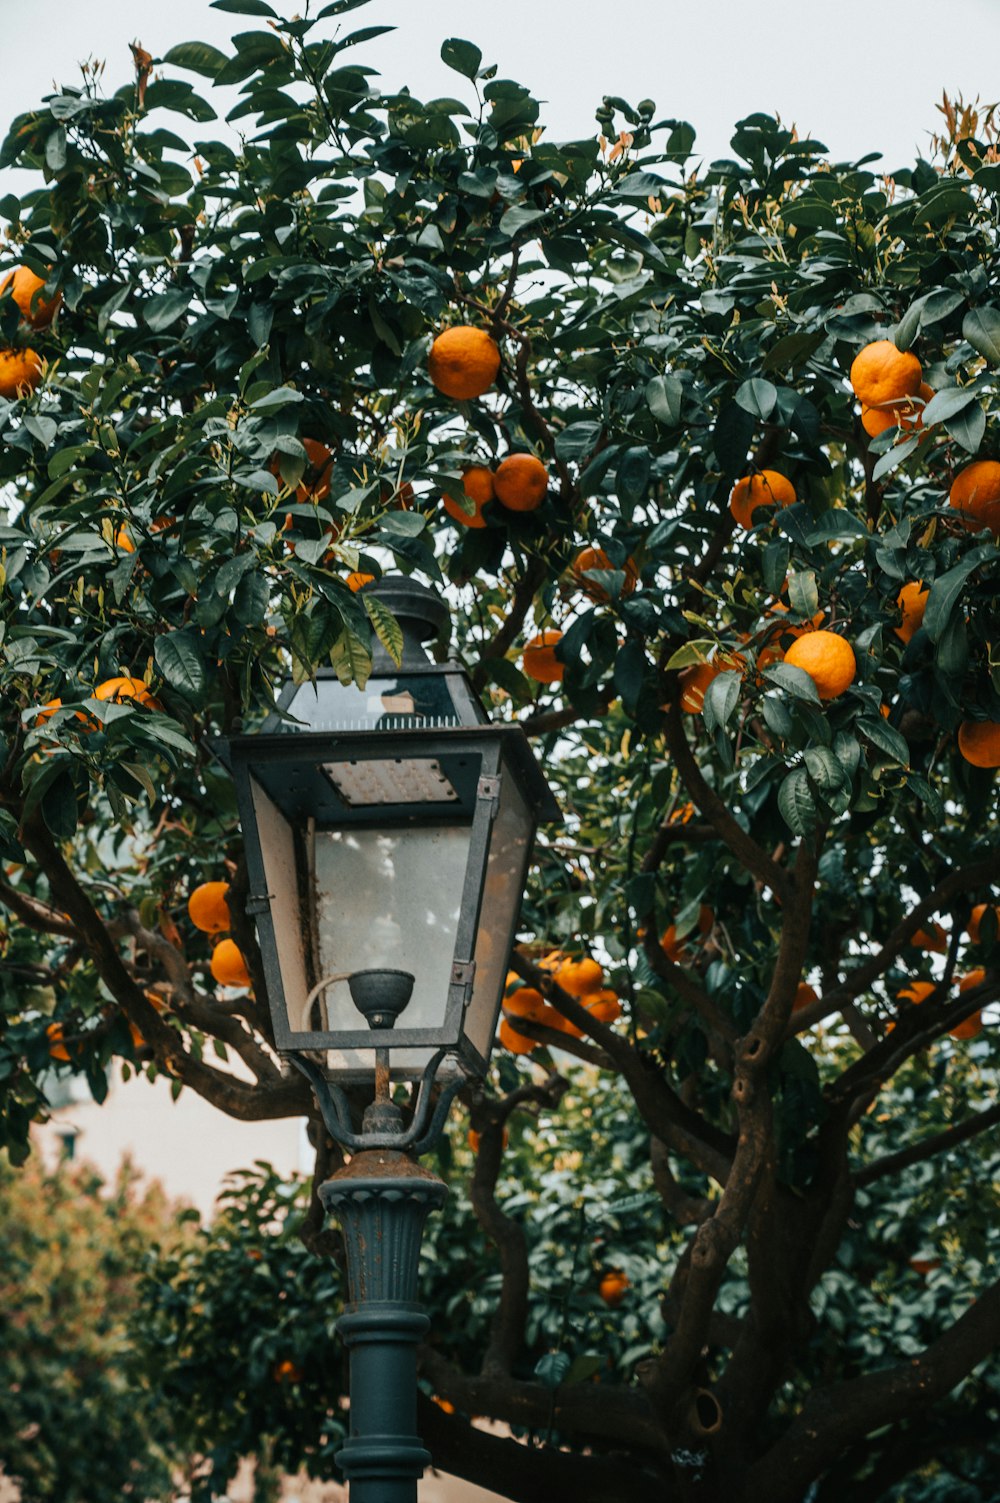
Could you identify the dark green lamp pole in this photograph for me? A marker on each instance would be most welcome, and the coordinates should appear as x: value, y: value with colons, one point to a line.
x: 388, y: 831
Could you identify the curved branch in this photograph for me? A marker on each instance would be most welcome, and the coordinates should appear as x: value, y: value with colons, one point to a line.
x: 929, y: 1148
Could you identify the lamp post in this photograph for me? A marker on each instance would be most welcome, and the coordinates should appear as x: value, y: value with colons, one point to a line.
x: 387, y: 832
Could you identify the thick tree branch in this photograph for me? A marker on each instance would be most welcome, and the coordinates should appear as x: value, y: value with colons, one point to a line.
x: 929, y: 1148
x: 836, y: 1417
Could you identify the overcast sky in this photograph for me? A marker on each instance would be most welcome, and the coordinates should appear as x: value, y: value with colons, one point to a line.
x: 859, y: 76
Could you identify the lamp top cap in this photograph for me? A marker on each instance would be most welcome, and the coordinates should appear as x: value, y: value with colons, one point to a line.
x: 414, y: 605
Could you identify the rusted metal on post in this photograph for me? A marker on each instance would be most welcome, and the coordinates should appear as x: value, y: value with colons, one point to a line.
x: 382, y: 1200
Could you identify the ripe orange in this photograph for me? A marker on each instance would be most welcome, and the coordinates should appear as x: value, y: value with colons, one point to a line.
x: 603, y: 1005
x: 596, y: 558
x: 20, y: 372
x: 122, y: 540
x: 767, y: 488
x: 473, y: 1140
x: 972, y: 1026
x: 828, y: 660
x: 979, y: 742
x: 975, y: 922
x: 520, y: 482
x: 933, y: 938
x: 286, y: 1372
x: 975, y: 494
x: 579, y: 977
x: 119, y: 689
x: 540, y: 662
x: 228, y: 966
x: 883, y: 376
x: 477, y: 483
x: 694, y: 681
x: 516, y: 1042
x: 315, y: 483
x: 526, y: 1002
x: 23, y: 285
x: 804, y: 995
x: 924, y: 1266
x: 208, y: 909
x: 464, y: 362
x: 57, y: 1049
x: 676, y: 949
x: 356, y: 582
x: 915, y: 992
x: 909, y: 414
x: 613, y: 1288
x: 912, y: 601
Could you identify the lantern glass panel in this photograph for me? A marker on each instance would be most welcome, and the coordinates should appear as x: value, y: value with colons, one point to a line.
x: 386, y: 899
x: 506, y: 867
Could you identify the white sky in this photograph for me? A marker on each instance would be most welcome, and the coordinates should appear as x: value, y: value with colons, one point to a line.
x: 859, y: 76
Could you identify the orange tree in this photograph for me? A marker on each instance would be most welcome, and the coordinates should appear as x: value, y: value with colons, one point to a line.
x: 703, y: 458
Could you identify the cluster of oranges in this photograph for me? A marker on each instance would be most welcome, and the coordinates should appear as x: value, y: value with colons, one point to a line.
x: 934, y: 939
x: 582, y: 979
x: 21, y: 366
x: 464, y: 363
x: 888, y: 383
x: 208, y: 910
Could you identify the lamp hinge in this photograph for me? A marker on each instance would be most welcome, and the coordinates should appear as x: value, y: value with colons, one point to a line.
x: 489, y: 788
x: 258, y: 903
x: 463, y: 973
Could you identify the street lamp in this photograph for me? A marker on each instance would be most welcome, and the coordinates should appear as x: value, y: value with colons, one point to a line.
x: 387, y: 832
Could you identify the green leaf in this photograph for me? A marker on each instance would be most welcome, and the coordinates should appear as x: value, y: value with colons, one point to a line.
x: 981, y: 327
x: 165, y: 308
x: 632, y: 476
x: 245, y: 8
x: 880, y: 733
x: 803, y: 594
x: 895, y: 457
x: 179, y: 660
x: 199, y: 57
x: 464, y: 57
x: 824, y: 769
x: 552, y: 1368
x: 795, y: 680
x: 387, y: 628
x: 968, y: 427
x: 664, y: 395
x: 721, y: 699
x: 519, y: 218
x: 946, y: 590
x: 796, y: 802
x: 757, y: 397
x: 943, y: 404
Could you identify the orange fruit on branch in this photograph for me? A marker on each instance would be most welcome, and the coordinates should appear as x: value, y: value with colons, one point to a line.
x: 979, y: 742
x: 613, y: 1287
x: 596, y: 559
x: 117, y: 690
x: 603, y: 1005
x: 828, y: 660
x: 694, y: 681
x: 976, y: 918
x: 766, y: 488
x: 912, y: 601
x: 539, y: 660
x: 464, y: 362
x: 526, y: 1002
x: 228, y: 966
x: 520, y: 482
x: 933, y: 938
x: 975, y: 495
x: 23, y: 286
x: 972, y: 1026
x: 356, y: 582
x: 579, y: 977
x: 57, y: 1049
x: 884, y: 376
x: 915, y: 992
x: 20, y: 372
x: 805, y: 995
x: 909, y: 414
x: 208, y: 909
x: 517, y: 1043
x: 477, y: 483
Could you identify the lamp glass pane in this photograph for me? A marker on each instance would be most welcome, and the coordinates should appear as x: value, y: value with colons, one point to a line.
x: 385, y: 899
x: 407, y: 701
x: 510, y: 848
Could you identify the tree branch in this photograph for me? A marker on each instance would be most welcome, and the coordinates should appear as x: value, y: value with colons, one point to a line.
x: 929, y: 1148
